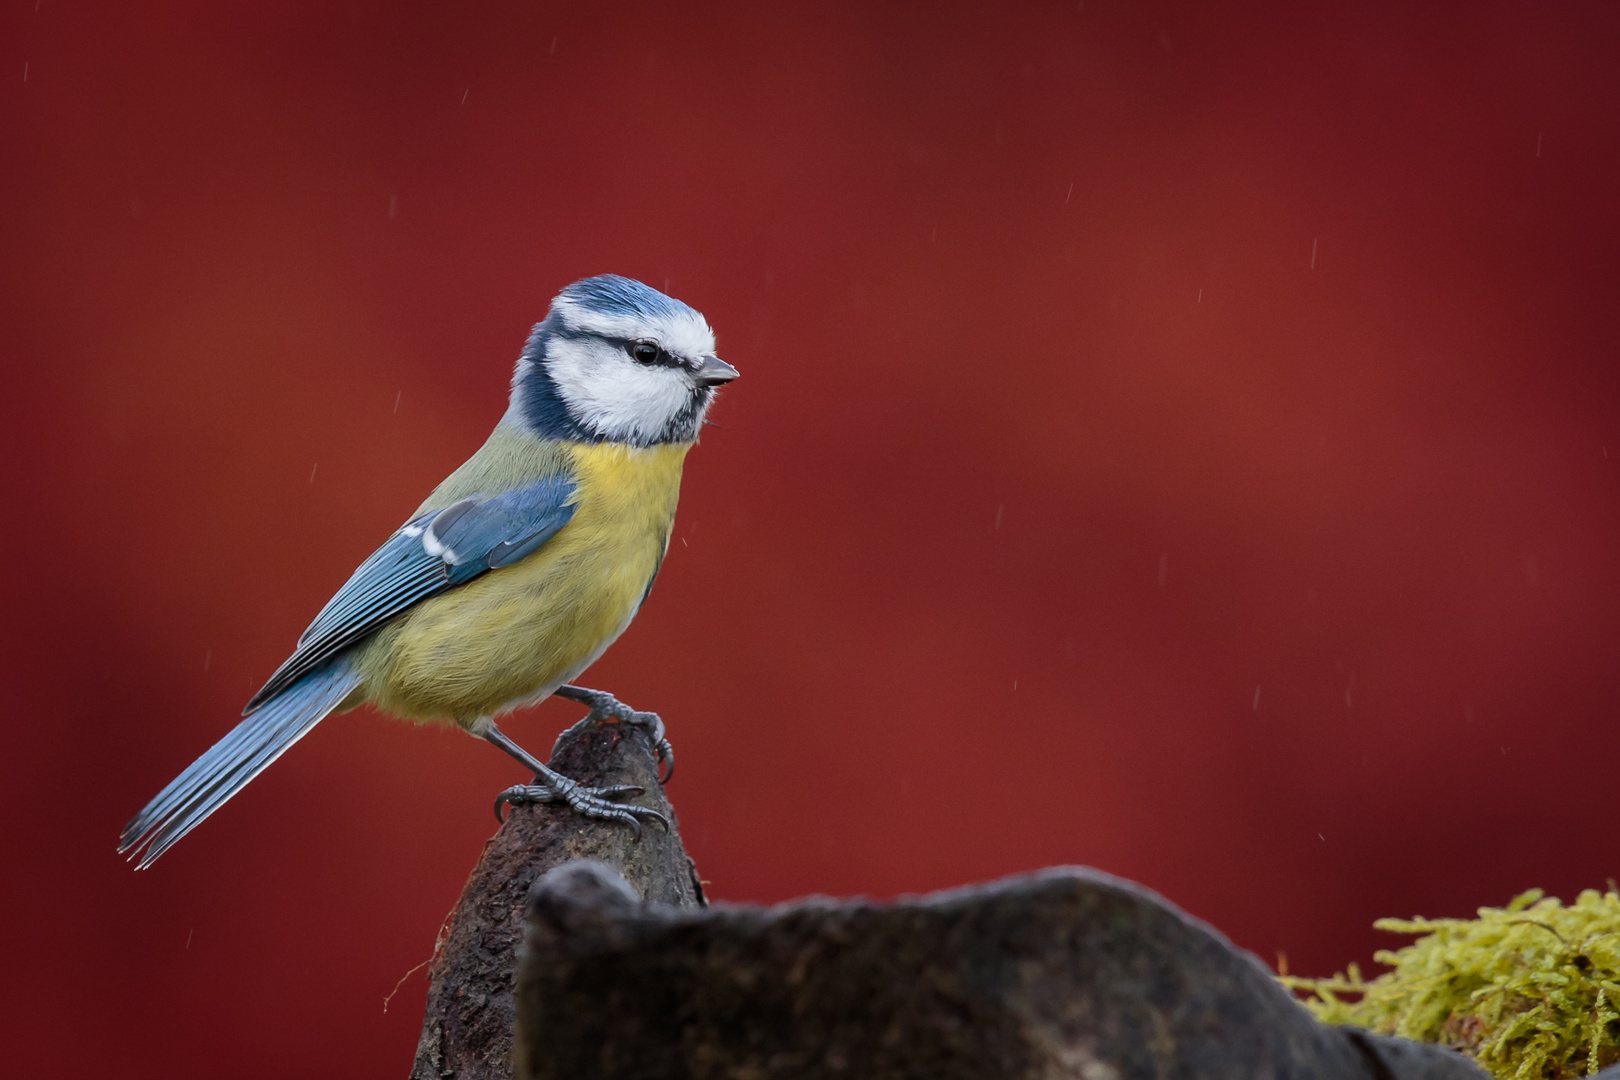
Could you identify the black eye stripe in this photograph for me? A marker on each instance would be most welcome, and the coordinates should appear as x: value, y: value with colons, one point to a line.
x: 662, y: 357
x: 650, y: 352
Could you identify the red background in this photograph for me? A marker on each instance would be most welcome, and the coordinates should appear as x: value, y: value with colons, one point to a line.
x: 1173, y: 439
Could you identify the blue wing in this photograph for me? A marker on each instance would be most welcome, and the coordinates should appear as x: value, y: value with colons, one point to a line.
x: 431, y: 554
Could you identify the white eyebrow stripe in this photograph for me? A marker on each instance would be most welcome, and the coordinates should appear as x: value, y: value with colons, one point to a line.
x: 686, y: 335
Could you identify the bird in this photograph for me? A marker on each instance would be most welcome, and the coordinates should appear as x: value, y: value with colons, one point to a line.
x: 514, y: 575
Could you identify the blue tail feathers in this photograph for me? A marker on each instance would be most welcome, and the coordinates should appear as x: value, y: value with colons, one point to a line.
x: 229, y: 764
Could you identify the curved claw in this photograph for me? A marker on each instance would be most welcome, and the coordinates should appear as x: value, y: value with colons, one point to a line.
x: 633, y: 819
x: 501, y: 800
x: 653, y: 725
x: 663, y: 822
x: 521, y: 794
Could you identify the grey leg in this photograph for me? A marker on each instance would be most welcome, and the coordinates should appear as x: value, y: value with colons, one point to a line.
x: 604, y: 707
x: 551, y: 786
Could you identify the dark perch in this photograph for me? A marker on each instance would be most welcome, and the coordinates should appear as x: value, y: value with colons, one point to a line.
x: 467, y: 1031
x: 621, y: 971
x: 1065, y: 974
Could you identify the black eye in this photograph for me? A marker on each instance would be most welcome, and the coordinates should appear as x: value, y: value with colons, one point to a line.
x: 645, y: 352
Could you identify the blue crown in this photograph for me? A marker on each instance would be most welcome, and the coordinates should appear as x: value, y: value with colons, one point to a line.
x: 610, y: 294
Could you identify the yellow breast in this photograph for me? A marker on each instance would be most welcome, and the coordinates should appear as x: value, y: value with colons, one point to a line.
x: 518, y: 633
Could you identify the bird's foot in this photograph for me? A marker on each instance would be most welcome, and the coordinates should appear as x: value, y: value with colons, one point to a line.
x: 551, y: 786
x: 605, y: 707
x: 603, y: 802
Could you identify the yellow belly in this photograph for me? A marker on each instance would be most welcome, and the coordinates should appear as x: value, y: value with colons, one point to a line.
x: 518, y: 633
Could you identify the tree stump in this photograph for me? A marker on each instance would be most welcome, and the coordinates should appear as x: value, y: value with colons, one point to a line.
x: 467, y: 1031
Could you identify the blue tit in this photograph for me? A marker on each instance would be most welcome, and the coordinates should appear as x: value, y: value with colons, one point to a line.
x: 517, y: 572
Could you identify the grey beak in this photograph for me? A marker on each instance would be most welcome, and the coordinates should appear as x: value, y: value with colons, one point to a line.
x: 714, y: 371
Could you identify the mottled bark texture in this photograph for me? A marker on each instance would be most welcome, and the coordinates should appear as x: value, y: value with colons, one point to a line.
x: 467, y: 1032
x: 1063, y: 973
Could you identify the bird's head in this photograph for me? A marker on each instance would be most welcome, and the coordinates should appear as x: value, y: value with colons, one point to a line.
x: 616, y: 361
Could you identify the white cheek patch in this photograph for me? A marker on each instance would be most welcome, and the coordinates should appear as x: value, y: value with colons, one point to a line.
x: 611, y: 394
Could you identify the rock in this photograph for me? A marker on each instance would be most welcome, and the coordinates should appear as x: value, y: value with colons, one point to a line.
x: 1062, y: 973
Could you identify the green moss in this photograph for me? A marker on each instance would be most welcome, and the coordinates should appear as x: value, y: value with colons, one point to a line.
x: 1530, y: 991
